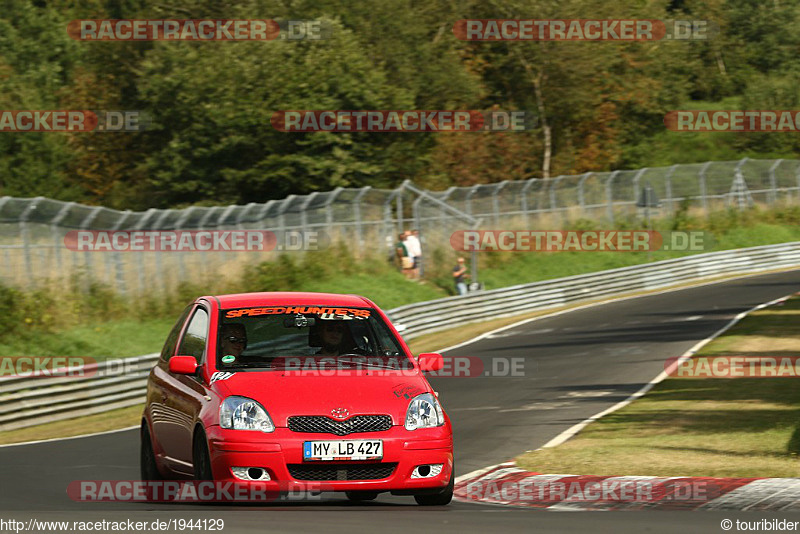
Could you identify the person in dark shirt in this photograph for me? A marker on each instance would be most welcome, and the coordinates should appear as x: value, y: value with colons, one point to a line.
x: 460, y: 275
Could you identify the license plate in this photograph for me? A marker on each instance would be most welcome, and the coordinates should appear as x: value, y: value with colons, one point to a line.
x: 362, y: 449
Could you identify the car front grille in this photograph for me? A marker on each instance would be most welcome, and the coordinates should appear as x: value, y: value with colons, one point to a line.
x: 322, y: 472
x: 325, y: 425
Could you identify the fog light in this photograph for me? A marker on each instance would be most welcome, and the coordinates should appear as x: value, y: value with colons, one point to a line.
x: 427, y: 471
x: 250, y: 473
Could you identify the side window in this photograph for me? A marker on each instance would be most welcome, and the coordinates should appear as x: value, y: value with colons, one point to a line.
x: 387, y: 343
x: 172, y: 339
x: 194, y: 340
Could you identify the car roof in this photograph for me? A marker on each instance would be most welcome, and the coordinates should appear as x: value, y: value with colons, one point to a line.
x: 282, y: 298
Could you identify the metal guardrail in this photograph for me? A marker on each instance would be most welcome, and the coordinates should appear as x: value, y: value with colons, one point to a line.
x: 28, y: 401
x: 435, y: 315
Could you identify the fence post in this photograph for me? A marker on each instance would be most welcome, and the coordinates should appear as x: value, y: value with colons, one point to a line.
x: 797, y: 177
x: 242, y: 213
x: 357, y: 209
x: 496, y: 202
x: 739, y: 185
x: 159, y: 256
x: 773, y: 182
x: 417, y: 226
x: 329, y: 210
x: 610, y: 196
x: 703, y: 196
x: 524, y: 192
x: 445, y: 196
x: 58, y: 242
x: 118, y: 265
x: 389, y: 226
x: 26, y: 244
x: 179, y: 225
x: 668, y: 187
x: 581, y: 197
x: 636, y: 179
x: 553, y: 202
x: 284, y: 205
x: 87, y: 255
x: 468, y: 200
x: 303, y: 207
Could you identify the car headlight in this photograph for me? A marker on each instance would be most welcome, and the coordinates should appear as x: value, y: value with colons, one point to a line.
x: 241, y: 413
x: 424, y: 411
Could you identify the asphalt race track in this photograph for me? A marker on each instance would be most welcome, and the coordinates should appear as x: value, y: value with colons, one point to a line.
x: 575, y: 365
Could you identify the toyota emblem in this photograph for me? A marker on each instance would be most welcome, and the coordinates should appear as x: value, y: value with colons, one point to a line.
x: 340, y: 413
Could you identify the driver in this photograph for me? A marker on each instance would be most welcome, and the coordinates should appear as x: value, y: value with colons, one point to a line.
x: 332, y: 335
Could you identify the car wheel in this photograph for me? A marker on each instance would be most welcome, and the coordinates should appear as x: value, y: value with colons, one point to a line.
x: 201, y: 458
x: 359, y: 496
x: 147, y: 458
x: 438, y: 499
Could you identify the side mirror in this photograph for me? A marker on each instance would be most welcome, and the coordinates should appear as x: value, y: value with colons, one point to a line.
x: 183, y: 365
x: 431, y: 361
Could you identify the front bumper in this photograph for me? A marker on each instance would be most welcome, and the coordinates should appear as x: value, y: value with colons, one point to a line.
x: 276, y: 451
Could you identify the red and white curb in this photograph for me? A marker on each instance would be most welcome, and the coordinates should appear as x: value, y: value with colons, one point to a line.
x: 508, y: 485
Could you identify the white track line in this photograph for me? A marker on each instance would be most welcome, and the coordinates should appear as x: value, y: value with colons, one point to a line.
x: 569, y: 433
x: 70, y: 437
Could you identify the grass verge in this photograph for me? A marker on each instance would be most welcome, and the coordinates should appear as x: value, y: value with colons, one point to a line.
x: 740, y: 427
x: 113, y: 420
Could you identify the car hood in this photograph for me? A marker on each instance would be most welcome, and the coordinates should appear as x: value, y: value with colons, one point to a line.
x: 286, y: 394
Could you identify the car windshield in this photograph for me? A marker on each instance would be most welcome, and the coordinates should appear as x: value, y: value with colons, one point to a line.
x: 280, y: 337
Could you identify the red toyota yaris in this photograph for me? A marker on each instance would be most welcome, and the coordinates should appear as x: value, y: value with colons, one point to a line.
x: 293, y: 390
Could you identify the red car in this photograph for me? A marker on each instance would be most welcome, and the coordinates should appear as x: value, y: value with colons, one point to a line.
x: 293, y: 390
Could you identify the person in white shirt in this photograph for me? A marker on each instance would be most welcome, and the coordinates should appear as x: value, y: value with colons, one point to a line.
x: 414, y: 249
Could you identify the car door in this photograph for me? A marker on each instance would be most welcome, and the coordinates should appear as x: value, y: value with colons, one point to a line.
x: 184, y: 395
x: 161, y: 425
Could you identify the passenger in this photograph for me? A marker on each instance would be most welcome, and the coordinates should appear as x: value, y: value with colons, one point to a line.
x: 234, y: 340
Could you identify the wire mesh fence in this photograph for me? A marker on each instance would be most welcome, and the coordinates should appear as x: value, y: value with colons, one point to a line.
x: 33, y: 231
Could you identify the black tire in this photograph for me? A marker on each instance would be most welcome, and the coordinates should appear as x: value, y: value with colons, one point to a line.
x: 200, y: 457
x: 360, y: 496
x: 438, y: 499
x: 147, y: 458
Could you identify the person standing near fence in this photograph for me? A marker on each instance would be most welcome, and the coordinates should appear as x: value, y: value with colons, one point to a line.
x: 414, y: 250
x: 405, y: 260
x: 460, y: 275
